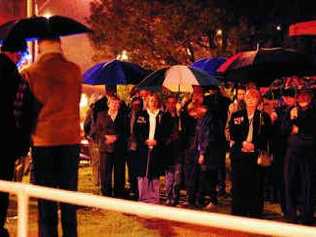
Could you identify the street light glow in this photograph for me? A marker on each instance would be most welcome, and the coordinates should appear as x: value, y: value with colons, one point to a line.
x: 123, y: 56
x: 219, y: 32
x: 84, y: 100
x: 47, y: 15
x: 278, y: 28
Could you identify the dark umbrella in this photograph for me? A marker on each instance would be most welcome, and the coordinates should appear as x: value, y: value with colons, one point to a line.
x: 114, y: 72
x: 264, y: 65
x: 275, y: 94
x: 210, y: 65
x: 178, y: 78
x: 41, y: 27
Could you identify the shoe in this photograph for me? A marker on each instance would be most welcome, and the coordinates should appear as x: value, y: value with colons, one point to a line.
x: 199, y: 205
x: 132, y: 196
x: 192, y: 206
x: 169, y: 202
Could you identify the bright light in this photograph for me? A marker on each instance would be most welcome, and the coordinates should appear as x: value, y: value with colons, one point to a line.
x: 189, y: 52
x: 219, y: 32
x: 84, y: 101
x: 47, y: 14
x: 279, y: 28
x: 123, y: 56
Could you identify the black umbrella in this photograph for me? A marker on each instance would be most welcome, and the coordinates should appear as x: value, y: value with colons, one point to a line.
x: 264, y: 65
x: 41, y: 27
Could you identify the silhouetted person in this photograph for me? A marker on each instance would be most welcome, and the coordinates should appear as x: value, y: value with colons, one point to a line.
x: 56, y: 83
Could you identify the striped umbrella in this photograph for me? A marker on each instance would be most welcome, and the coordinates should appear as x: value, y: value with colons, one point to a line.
x: 178, y: 78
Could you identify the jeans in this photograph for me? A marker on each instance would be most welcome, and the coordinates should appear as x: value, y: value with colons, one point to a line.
x: 56, y: 167
x: 173, y: 178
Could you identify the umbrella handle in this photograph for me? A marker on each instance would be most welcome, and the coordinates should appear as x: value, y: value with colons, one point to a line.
x: 148, y: 160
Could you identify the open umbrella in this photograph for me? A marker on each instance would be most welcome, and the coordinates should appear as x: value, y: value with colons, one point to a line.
x: 303, y: 29
x: 210, y: 65
x: 265, y: 65
x: 114, y: 72
x: 178, y: 78
x: 41, y: 27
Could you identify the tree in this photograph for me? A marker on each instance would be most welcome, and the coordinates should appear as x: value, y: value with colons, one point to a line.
x: 157, y: 33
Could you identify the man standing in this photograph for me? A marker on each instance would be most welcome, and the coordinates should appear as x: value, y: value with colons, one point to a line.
x: 56, y: 83
x: 111, y: 130
x: 300, y: 164
x: 10, y: 80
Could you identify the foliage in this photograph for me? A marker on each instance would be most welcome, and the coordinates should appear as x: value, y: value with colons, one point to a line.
x: 156, y: 33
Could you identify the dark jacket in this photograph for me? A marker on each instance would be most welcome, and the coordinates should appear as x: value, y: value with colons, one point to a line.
x: 187, y: 133
x: 239, y: 126
x: 101, y: 105
x: 206, y: 141
x: 17, y: 108
x: 104, y: 125
x: 172, y: 148
x: 157, y: 161
x: 26, y: 111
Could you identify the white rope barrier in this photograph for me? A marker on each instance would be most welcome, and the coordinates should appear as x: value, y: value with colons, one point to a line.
x: 216, y: 220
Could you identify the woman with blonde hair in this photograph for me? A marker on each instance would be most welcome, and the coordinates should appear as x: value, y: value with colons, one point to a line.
x: 151, y: 128
x: 249, y: 131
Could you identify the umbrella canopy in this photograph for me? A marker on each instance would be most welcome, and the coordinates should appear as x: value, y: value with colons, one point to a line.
x: 178, y: 78
x: 210, y: 65
x: 41, y: 27
x: 114, y: 72
x: 265, y: 65
x: 303, y: 28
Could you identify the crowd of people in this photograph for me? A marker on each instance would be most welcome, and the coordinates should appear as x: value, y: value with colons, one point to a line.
x: 272, y: 153
x: 186, y: 141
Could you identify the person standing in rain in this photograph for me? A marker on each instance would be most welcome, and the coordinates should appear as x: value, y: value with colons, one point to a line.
x: 281, y: 132
x: 173, y: 174
x: 202, y: 176
x: 250, y: 131
x: 56, y: 83
x: 152, y: 128
x: 217, y: 103
x: 300, y: 163
x: 135, y: 108
x: 16, y: 101
x: 111, y: 130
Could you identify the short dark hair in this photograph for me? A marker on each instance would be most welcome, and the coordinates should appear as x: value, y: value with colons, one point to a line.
x: 50, y: 38
x: 240, y: 87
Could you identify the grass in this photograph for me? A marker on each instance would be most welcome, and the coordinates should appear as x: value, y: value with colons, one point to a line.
x: 96, y: 222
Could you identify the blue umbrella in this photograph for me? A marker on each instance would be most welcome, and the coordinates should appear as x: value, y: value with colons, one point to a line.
x: 114, y: 72
x: 209, y: 65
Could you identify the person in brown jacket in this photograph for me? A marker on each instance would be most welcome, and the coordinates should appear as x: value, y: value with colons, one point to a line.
x: 56, y: 83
